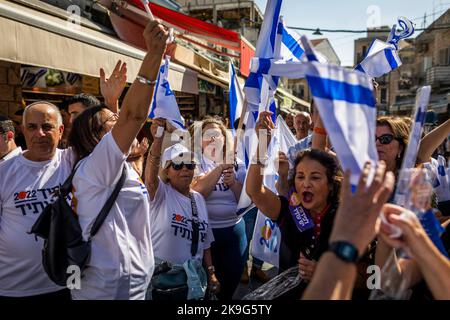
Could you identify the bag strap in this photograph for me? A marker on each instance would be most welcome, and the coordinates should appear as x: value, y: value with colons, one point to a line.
x: 195, y: 225
x: 66, y: 187
x: 108, y: 205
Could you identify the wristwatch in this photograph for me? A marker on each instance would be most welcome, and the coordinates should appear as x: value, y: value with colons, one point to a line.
x: 345, y: 251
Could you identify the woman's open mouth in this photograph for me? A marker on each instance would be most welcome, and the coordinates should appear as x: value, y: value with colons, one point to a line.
x: 307, y: 197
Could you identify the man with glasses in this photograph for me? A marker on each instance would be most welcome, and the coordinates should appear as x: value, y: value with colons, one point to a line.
x: 8, y: 148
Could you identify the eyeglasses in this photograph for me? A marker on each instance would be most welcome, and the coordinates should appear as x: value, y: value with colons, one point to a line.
x: 385, y: 138
x: 179, y: 166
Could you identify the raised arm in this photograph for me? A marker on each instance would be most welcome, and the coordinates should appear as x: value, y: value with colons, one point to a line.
x: 266, y: 201
x: 206, y: 183
x: 431, y: 142
x: 154, y: 159
x: 136, y: 104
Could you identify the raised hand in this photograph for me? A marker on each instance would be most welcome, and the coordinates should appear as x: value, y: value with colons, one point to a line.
x: 112, y: 87
x: 356, y: 219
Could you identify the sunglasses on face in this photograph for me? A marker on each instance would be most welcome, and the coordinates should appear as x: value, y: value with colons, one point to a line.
x: 385, y: 138
x: 179, y: 166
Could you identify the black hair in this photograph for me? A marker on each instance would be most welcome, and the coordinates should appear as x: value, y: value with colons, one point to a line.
x: 87, y: 131
x: 87, y: 100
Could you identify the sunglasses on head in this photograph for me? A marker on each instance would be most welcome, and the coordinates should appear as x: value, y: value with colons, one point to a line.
x: 179, y: 166
x: 385, y: 138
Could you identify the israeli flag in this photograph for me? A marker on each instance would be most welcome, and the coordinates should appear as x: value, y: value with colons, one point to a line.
x: 289, y: 48
x: 346, y: 105
x: 266, y: 234
x: 382, y: 57
x: 265, y: 48
x: 164, y: 104
x: 410, y: 156
x: 407, y: 30
x: 235, y: 97
x: 246, y: 149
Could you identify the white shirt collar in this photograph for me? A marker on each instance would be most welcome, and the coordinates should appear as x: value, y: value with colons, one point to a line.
x: 15, y: 152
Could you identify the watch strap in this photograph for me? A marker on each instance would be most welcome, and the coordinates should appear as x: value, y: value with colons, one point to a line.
x: 345, y: 251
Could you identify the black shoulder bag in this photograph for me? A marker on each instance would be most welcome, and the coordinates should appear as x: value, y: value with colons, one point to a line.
x: 58, y: 225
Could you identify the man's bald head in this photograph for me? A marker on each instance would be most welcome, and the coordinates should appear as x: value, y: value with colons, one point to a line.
x: 45, y: 107
x: 43, y: 129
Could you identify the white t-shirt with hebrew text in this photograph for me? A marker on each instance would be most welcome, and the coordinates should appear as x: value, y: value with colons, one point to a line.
x: 26, y: 188
x: 171, y: 223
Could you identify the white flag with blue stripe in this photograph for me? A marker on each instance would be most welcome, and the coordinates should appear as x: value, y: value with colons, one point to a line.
x: 265, y: 48
x: 246, y: 149
x: 164, y: 104
x: 382, y: 57
x: 290, y: 48
x: 346, y: 105
x: 266, y: 234
x: 410, y: 155
x: 236, y: 98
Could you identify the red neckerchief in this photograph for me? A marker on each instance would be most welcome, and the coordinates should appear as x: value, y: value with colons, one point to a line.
x: 318, y: 219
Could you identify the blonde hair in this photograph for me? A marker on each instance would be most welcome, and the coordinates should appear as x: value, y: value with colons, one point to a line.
x: 229, y: 141
x: 400, y: 127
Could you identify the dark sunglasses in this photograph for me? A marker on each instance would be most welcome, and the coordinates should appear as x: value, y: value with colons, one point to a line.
x: 385, y: 138
x: 179, y: 166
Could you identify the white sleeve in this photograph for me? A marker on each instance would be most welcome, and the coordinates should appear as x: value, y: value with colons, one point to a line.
x: 160, y: 194
x: 104, y: 165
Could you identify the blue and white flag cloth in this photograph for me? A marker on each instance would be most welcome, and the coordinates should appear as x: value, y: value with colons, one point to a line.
x: 289, y: 46
x: 246, y: 149
x: 422, y: 99
x: 407, y: 30
x: 410, y: 155
x: 266, y: 234
x: 164, y: 104
x: 236, y: 98
x: 382, y: 57
x: 345, y: 102
x: 265, y: 48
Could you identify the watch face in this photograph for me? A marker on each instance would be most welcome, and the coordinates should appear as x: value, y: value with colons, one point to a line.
x: 347, y: 251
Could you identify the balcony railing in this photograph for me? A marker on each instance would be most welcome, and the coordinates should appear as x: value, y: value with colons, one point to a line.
x: 438, y: 75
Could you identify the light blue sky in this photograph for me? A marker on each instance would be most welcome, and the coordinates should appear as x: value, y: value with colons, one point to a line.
x: 352, y: 14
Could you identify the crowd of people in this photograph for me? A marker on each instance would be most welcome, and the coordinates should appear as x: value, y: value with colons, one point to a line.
x: 173, y: 232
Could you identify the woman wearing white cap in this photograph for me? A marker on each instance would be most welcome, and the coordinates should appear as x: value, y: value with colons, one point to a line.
x: 181, y: 234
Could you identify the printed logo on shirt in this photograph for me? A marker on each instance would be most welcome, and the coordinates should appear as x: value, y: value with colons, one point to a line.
x: 182, y: 227
x: 221, y: 187
x: 34, y: 201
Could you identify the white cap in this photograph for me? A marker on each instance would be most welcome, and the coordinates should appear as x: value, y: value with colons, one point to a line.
x: 176, y: 153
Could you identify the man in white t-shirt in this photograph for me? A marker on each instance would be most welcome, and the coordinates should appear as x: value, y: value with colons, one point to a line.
x: 27, y: 185
x: 8, y: 148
